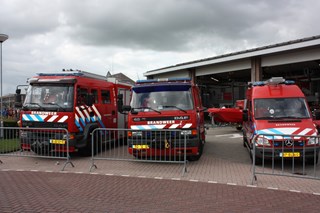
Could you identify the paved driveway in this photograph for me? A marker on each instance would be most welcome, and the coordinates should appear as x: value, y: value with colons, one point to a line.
x: 58, y: 192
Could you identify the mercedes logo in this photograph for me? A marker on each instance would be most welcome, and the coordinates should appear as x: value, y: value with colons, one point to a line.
x: 288, y: 142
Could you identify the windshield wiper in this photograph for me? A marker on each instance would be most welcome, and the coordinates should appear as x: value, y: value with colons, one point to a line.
x: 176, y: 108
x: 267, y: 118
x: 25, y: 107
x: 147, y: 108
x: 60, y: 107
x: 292, y: 117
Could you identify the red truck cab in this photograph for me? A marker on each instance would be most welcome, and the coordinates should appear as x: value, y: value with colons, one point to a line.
x: 77, y: 101
x: 278, y: 107
x: 168, y: 104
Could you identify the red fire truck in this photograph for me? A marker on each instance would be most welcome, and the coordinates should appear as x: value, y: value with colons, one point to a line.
x: 279, y: 107
x: 78, y: 101
x: 165, y: 104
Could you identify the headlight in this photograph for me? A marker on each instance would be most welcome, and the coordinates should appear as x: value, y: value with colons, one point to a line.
x: 189, y: 132
x: 23, y: 134
x: 262, y: 141
x: 137, y: 134
x: 313, y: 141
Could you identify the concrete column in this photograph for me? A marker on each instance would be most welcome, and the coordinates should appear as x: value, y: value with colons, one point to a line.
x: 192, y: 74
x: 256, y: 69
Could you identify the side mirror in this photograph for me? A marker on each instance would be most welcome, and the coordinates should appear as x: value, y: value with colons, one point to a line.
x: 317, y: 115
x: 245, y: 115
x: 120, y: 103
x: 18, y: 101
x: 126, y: 108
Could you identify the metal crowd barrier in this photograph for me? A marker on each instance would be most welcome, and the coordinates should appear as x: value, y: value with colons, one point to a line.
x: 157, y: 146
x: 289, y: 155
x: 35, y: 142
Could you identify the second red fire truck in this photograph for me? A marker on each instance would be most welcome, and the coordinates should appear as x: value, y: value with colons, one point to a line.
x: 165, y: 104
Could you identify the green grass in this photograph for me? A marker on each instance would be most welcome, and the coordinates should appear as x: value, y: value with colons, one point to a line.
x: 9, y: 145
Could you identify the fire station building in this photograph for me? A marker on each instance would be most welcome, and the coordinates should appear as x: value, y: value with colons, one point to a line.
x: 223, y: 79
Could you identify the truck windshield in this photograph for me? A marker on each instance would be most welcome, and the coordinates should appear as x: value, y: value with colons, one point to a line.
x: 163, y: 100
x: 49, y: 97
x: 277, y: 108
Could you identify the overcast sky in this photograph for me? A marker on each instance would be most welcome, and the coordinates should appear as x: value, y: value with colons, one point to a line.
x: 136, y: 36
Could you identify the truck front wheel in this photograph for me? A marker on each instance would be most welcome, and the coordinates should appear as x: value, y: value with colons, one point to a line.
x: 200, y: 150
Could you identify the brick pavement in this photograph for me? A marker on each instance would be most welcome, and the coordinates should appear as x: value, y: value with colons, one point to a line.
x: 70, y: 192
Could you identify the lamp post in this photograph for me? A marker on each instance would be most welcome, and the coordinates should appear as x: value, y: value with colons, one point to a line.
x: 3, y: 37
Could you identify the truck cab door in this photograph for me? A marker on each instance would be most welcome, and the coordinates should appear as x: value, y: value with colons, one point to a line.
x: 108, y: 109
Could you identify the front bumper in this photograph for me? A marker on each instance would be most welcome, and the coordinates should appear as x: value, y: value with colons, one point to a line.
x: 278, y: 153
x: 164, y: 147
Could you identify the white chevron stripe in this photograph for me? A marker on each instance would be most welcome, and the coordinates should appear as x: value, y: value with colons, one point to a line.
x: 53, y: 117
x: 305, y: 131
x: 96, y: 111
x: 63, y: 119
x: 173, y: 126
x: 24, y: 117
x: 188, y: 125
x: 86, y: 113
x: 80, y: 113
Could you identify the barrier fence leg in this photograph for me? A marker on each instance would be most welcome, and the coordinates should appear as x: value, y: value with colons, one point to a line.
x: 184, y: 169
x: 92, y: 165
x: 68, y: 162
x: 68, y: 154
x: 92, y: 151
x: 254, y: 177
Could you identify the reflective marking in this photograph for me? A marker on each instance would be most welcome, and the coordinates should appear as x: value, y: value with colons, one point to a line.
x: 80, y: 113
x: 96, y: 111
x: 52, y: 118
x: 173, y: 126
x: 63, y: 119
x: 146, y: 127
x: 187, y: 126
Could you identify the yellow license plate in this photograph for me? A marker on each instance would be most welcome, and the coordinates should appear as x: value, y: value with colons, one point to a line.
x: 56, y: 141
x: 290, y: 154
x: 140, y: 146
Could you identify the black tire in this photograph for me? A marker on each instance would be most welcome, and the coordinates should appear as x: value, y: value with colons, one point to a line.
x: 87, y: 150
x: 310, y: 161
x: 244, y: 140
x: 239, y: 128
x: 197, y: 157
x: 40, y: 148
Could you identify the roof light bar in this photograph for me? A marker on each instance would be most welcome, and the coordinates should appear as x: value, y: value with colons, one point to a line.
x: 163, y: 80
x: 272, y: 81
